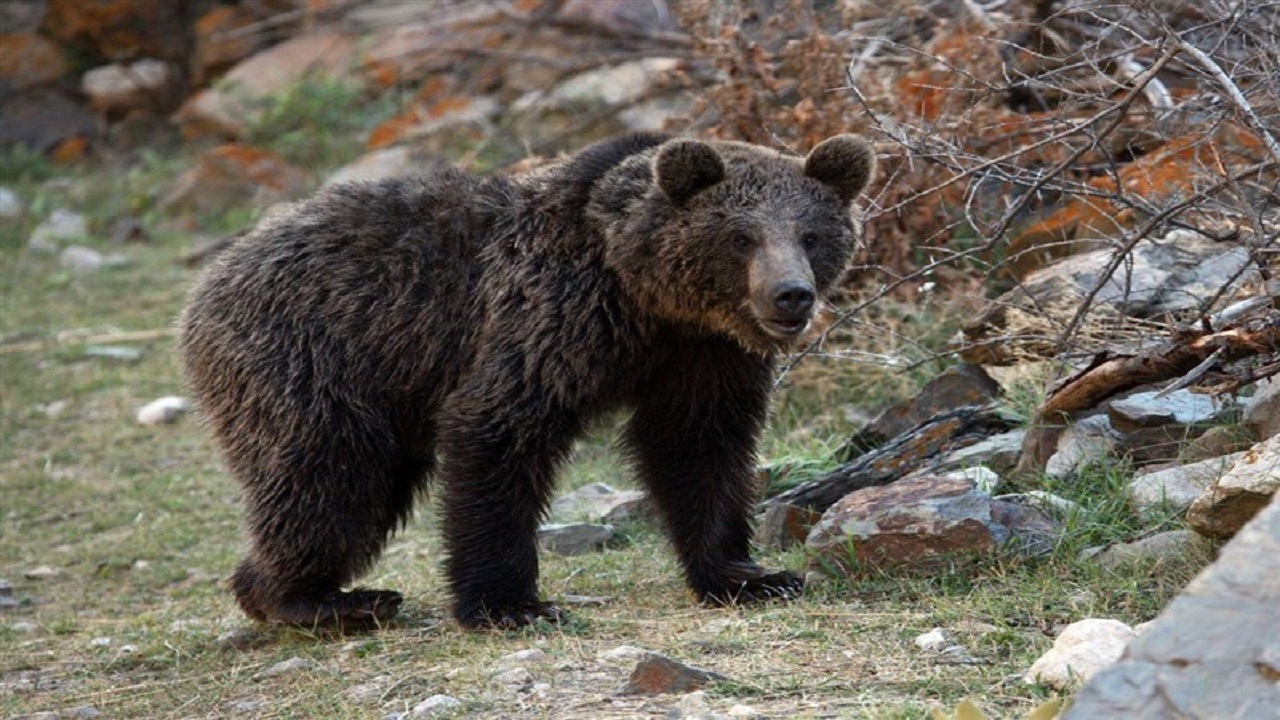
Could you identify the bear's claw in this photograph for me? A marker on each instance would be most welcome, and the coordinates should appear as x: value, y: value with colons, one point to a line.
x: 514, y: 616
x: 771, y: 586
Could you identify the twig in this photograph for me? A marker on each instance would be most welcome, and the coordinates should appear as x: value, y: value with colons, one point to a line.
x: 117, y: 337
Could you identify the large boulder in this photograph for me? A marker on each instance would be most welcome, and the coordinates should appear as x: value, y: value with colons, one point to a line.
x: 1215, y: 650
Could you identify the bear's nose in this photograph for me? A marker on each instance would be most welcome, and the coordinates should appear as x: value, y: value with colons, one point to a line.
x: 793, y: 299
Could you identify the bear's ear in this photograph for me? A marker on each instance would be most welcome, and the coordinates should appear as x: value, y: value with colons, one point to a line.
x: 684, y: 168
x: 845, y: 162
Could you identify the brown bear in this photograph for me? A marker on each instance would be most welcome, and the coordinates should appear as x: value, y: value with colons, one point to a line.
x: 467, y: 328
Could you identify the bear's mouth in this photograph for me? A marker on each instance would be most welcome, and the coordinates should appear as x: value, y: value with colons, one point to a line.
x: 785, y: 329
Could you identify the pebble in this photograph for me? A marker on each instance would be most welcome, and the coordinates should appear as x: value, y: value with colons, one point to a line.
x: 515, y: 679
x: 82, y: 260
x: 44, y: 572
x: 10, y: 203
x: 61, y: 225
x: 436, y: 705
x: 284, y: 667
x: 164, y: 410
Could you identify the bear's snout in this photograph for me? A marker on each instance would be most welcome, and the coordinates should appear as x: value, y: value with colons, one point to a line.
x: 793, y: 300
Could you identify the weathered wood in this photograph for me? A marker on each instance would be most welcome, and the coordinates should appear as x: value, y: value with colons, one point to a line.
x: 1108, y: 376
x: 920, y: 448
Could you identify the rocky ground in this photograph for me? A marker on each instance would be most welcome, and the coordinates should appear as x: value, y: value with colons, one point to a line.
x: 1046, y: 400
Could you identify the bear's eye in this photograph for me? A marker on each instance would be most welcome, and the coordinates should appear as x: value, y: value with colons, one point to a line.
x: 743, y: 242
x: 809, y: 241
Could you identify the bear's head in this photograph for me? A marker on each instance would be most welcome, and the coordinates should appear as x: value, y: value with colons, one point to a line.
x: 735, y: 238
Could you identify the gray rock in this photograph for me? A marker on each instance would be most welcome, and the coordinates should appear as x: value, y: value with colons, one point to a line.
x: 1089, y: 440
x: 436, y: 706
x: 1157, y: 551
x: 1214, y: 652
x: 10, y: 204
x: 1262, y: 411
x: 514, y: 680
x: 286, y: 667
x: 1082, y: 649
x: 1193, y: 282
x: 165, y: 410
x: 118, y: 87
x: 1177, y: 487
x: 622, y: 655
x: 998, y: 452
x: 613, y: 85
x: 600, y: 503
x: 61, y: 225
x: 575, y: 538
x: 1144, y: 409
x: 82, y: 260
x: 1242, y: 491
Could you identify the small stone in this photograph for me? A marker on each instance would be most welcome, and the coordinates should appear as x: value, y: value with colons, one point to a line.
x: 60, y: 226
x: 515, y: 679
x: 526, y: 655
x: 1082, y: 649
x: 128, y: 649
x: 999, y: 452
x: 164, y: 410
x: 113, y: 352
x: 1157, y: 550
x: 743, y: 711
x: 1044, y: 500
x: 933, y: 641
x: 24, y: 627
x: 622, y: 655
x: 574, y: 539
x: 285, y: 667
x: 100, y: 642
x: 55, y: 408
x: 585, y: 600
x: 368, y: 692
x: 658, y: 674
x: 1175, y: 488
x: 1089, y: 440
x: 1262, y: 411
x: 600, y: 503
x: 118, y: 87
x: 43, y: 572
x: 984, y: 479
x: 690, y: 704
x: 435, y: 706
x: 10, y: 204
x: 82, y: 711
x: 245, y: 706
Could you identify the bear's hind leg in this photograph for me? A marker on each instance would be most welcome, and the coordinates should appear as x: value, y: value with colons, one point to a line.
x: 315, y: 531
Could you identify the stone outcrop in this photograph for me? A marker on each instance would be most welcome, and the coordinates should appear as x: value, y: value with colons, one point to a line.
x: 1214, y: 652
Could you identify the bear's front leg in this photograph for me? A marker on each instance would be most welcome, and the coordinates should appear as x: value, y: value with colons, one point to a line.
x: 693, y: 440
x: 498, y: 472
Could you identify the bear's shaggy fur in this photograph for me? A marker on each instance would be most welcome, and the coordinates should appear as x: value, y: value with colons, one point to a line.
x: 466, y: 329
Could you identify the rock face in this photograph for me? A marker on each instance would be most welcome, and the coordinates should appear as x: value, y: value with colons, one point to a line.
x: 916, y: 522
x: 1082, y: 649
x: 1240, y: 493
x: 1214, y: 652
